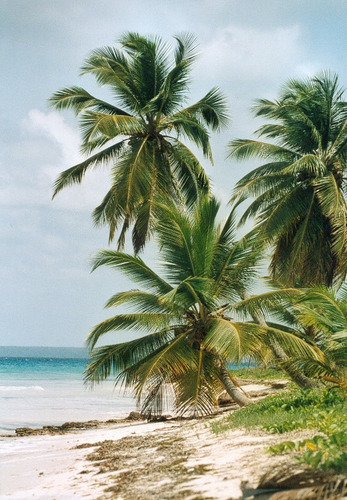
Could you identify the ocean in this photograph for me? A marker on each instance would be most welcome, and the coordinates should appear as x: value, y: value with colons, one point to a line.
x: 49, y: 390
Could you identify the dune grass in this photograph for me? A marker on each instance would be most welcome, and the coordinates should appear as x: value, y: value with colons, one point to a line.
x: 293, y: 409
x: 324, y: 411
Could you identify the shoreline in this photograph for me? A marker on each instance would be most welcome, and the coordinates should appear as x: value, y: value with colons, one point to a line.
x: 255, y: 389
x: 38, y: 462
x: 174, y: 459
x: 171, y: 458
x: 49, y: 466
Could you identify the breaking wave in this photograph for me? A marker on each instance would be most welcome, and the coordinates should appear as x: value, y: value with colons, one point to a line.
x: 9, y: 388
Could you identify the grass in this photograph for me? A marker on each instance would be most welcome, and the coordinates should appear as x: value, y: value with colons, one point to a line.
x: 322, y: 410
x: 282, y: 412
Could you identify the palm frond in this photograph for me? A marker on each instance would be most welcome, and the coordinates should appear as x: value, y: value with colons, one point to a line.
x: 334, y: 207
x: 293, y: 344
x: 245, y: 148
x: 167, y: 362
x: 144, y: 301
x: 75, y: 174
x: 269, y: 303
x: 133, y: 267
x: 111, y: 360
x: 79, y: 99
x: 188, y: 125
x: 197, y: 391
x: 141, y: 322
x: 188, y: 170
x: 212, y: 109
x: 229, y: 341
x: 95, y: 124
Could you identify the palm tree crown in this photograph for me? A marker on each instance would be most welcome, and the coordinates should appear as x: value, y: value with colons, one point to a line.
x: 300, y: 189
x: 141, y: 138
x: 190, y: 339
x: 325, y: 311
x: 320, y: 314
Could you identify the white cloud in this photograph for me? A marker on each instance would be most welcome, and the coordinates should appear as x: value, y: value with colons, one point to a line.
x: 47, y: 145
x: 53, y: 126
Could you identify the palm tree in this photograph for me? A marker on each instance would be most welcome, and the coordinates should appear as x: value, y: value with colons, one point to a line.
x: 320, y: 316
x: 190, y: 340
x: 140, y: 135
x: 299, y: 191
x: 325, y: 311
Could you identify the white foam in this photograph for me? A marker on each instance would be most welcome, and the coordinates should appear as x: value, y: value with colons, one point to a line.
x: 9, y: 388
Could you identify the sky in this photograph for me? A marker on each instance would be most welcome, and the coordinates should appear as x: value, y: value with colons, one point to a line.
x: 249, y: 49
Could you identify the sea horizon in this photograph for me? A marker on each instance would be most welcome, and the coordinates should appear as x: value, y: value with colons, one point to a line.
x: 7, y: 351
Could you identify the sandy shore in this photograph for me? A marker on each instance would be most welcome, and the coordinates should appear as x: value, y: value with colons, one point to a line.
x: 63, y: 467
x: 139, y: 461
x: 162, y: 460
x: 56, y: 466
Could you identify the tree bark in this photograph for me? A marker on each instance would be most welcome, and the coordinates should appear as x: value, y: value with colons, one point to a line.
x: 298, y: 377
x: 234, y: 392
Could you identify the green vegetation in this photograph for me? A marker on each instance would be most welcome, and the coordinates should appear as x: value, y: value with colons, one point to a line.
x: 327, y: 450
x: 324, y: 411
x: 320, y: 314
x: 325, y: 311
x: 142, y: 131
x: 282, y: 412
x: 299, y: 204
x: 190, y: 337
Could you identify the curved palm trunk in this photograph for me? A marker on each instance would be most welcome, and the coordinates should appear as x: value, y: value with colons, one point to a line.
x: 234, y: 392
x: 298, y: 377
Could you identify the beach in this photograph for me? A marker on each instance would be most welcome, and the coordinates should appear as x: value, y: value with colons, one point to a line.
x: 159, y: 460
x: 106, y: 451
x: 52, y: 466
x: 135, y: 459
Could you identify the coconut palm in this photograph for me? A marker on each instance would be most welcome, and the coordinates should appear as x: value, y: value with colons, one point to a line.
x: 190, y: 339
x: 299, y: 191
x: 320, y: 315
x: 325, y: 311
x: 140, y: 136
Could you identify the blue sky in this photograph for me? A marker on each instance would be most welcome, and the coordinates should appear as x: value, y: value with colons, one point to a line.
x: 249, y: 49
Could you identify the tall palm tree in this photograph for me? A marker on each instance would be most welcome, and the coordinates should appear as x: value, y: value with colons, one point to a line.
x: 299, y: 191
x: 190, y: 340
x: 140, y: 135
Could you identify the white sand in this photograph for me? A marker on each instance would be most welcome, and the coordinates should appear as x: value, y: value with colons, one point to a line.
x: 48, y: 467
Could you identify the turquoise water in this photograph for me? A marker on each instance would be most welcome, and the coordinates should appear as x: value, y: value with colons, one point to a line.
x: 41, y: 368
x: 50, y: 391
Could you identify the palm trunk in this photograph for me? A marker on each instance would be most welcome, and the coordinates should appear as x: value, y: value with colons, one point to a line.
x: 234, y: 392
x: 298, y: 377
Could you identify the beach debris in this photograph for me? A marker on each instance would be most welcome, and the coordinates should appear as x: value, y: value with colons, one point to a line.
x: 135, y: 415
x: 64, y: 428
x: 162, y: 471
